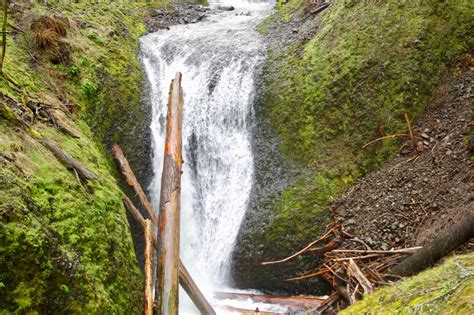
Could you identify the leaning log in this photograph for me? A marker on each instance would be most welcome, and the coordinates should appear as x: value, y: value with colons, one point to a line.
x: 191, y: 288
x: 185, y: 279
x: 451, y: 238
x: 148, y: 268
x: 133, y: 182
x: 167, y: 275
x: 68, y: 161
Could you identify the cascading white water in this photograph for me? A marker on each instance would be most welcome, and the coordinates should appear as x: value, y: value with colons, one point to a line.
x: 218, y: 59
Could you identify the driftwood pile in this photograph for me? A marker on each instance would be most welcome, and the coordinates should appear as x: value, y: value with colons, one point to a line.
x: 350, y: 266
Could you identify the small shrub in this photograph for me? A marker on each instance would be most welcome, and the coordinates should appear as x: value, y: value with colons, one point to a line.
x: 45, y: 38
x: 95, y: 38
x: 56, y: 23
x: 74, y: 70
x: 89, y: 89
x: 85, y: 61
x: 64, y: 288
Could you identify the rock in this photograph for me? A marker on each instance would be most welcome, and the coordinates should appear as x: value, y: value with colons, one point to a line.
x: 425, y: 136
x: 350, y: 222
x: 225, y: 8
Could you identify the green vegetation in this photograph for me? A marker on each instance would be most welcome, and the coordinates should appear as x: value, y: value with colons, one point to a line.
x: 446, y: 289
x: 66, y: 245
x: 367, y: 64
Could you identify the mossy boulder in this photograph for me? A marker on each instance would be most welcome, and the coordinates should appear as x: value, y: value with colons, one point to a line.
x: 332, y: 83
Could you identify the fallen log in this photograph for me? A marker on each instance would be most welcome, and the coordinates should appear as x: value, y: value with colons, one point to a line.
x: 320, y: 8
x: 167, y: 272
x: 241, y: 311
x: 294, y: 301
x: 148, y: 269
x: 68, y: 161
x: 451, y: 238
x: 185, y: 279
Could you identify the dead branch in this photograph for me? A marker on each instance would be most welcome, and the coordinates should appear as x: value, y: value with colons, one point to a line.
x: 355, y: 271
x: 325, y: 236
x: 68, y: 161
x: 395, y: 135
x: 410, y: 130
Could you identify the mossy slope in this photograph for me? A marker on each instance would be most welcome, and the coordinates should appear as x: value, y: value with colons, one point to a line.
x: 446, y: 289
x: 66, y: 247
x: 367, y: 65
x: 346, y: 81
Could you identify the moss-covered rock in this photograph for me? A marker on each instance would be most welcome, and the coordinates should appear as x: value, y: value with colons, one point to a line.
x: 334, y: 82
x: 446, y: 289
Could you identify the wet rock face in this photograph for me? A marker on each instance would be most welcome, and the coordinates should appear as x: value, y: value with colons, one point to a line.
x: 273, y: 173
x: 181, y: 14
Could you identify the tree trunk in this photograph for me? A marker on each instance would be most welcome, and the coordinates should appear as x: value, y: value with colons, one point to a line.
x: 185, y: 278
x: 4, y: 34
x: 451, y: 238
x: 148, y: 269
x: 166, y: 293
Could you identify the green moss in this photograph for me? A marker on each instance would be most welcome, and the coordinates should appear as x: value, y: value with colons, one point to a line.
x: 64, y: 245
x: 300, y: 211
x: 366, y: 65
x: 446, y: 289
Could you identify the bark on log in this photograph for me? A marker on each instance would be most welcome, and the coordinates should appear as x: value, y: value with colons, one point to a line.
x: 167, y: 275
x: 185, y: 279
x: 133, y: 182
x: 320, y: 8
x: 148, y: 269
x: 68, y: 161
x: 295, y: 301
x: 451, y: 238
x: 191, y: 288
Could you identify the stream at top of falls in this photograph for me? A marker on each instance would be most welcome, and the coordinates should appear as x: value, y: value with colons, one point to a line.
x: 218, y: 59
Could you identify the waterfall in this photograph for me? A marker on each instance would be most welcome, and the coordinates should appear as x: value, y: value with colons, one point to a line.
x: 218, y: 59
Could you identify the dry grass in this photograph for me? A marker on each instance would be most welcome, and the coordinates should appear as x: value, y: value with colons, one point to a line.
x: 47, y: 30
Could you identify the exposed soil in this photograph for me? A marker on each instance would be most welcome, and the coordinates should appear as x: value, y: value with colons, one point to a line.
x: 424, y: 189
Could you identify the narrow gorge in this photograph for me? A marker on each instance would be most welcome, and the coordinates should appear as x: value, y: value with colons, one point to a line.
x: 327, y: 147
